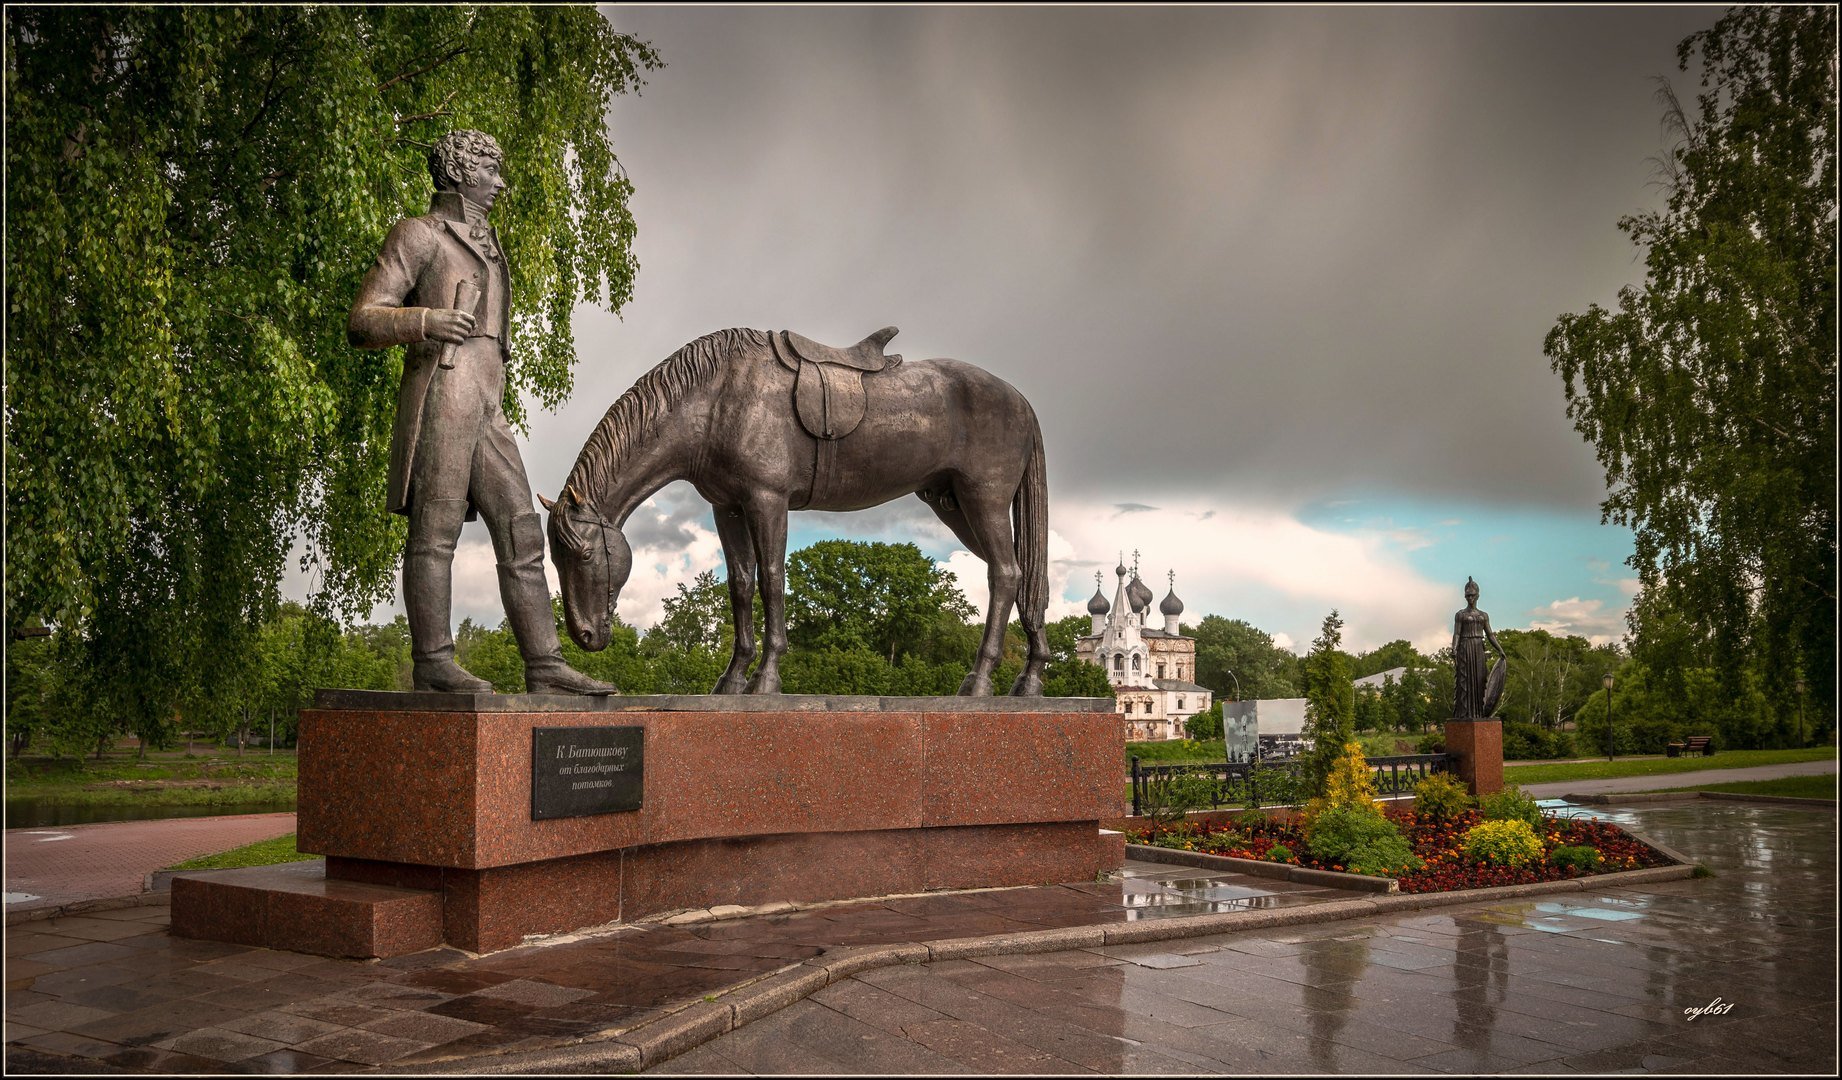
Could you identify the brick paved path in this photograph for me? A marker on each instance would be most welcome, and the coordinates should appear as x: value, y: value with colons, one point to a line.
x: 62, y: 865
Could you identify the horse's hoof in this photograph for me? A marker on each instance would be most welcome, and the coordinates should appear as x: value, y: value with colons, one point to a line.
x: 759, y: 685
x: 975, y: 687
x: 728, y: 686
x: 1027, y: 687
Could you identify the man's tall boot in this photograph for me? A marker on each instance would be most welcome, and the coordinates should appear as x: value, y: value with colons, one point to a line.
x: 527, y: 607
x: 428, y: 565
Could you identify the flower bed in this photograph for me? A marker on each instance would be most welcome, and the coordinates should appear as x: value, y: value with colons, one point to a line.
x: 1439, y: 843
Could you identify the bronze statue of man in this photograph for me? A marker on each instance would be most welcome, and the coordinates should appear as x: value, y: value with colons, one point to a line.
x: 1470, y: 668
x: 440, y: 286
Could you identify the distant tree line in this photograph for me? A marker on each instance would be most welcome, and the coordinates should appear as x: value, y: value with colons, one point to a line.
x: 883, y: 619
x: 862, y: 618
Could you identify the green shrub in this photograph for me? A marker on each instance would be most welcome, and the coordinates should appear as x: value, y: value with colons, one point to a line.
x: 1523, y: 741
x: 1441, y: 796
x: 1390, y: 856
x: 1509, y: 842
x: 1278, y: 785
x: 1353, y: 836
x: 1582, y: 858
x: 1170, y: 799
x: 1433, y: 742
x: 1511, y: 804
x: 1279, y: 853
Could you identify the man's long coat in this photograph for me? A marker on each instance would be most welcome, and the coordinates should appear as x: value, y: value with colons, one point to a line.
x: 423, y: 259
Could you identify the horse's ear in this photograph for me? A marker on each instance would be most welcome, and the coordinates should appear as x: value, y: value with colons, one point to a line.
x: 569, y: 492
x: 549, y: 507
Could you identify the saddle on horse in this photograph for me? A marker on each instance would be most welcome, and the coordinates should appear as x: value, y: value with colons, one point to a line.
x: 828, y: 391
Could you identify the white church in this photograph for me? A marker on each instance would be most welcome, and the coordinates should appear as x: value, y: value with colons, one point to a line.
x: 1151, y: 669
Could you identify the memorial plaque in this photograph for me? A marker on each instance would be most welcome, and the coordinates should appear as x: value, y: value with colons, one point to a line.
x: 577, y: 771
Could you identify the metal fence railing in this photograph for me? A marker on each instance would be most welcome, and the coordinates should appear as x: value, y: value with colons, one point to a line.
x: 1240, y: 783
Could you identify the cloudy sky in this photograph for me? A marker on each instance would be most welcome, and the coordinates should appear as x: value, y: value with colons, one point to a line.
x: 1275, y: 279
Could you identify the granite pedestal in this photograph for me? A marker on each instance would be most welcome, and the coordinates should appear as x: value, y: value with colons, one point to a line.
x: 426, y: 799
x: 1476, y: 747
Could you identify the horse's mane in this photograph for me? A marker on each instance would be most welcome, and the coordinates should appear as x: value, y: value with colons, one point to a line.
x: 636, y: 413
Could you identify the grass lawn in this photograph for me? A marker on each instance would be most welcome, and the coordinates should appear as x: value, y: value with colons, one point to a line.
x: 1605, y: 770
x: 210, y: 776
x: 1176, y: 751
x: 1800, y: 787
x: 262, y: 853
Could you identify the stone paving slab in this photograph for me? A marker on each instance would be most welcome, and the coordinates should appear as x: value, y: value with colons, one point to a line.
x: 1588, y: 979
x: 1593, y: 980
x: 118, y: 992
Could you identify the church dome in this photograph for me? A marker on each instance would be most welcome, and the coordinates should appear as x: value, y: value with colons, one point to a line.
x: 1139, y: 594
x: 1098, y: 605
x: 1171, y: 605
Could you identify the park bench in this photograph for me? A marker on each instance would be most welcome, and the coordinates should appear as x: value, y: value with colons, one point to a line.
x: 1698, y: 744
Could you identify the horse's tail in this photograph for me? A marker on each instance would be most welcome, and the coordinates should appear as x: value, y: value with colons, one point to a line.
x: 1030, y: 526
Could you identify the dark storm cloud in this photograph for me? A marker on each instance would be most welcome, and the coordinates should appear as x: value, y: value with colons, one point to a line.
x: 667, y: 520
x: 1264, y: 254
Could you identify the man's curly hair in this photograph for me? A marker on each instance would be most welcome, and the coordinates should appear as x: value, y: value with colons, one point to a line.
x: 458, y: 153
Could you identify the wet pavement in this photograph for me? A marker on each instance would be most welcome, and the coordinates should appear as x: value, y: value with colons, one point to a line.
x: 113, y: 990
x: 1593, y: 981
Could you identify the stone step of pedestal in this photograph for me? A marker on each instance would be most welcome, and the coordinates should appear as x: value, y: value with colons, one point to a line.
x: 293, y: 906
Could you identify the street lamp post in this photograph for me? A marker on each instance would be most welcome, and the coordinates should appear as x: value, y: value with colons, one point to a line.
x: 1237, y: 684
x: 1801, y: 740
x: 1611, y: 733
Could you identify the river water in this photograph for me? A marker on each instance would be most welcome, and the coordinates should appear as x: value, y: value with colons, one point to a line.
x: 26, y: 813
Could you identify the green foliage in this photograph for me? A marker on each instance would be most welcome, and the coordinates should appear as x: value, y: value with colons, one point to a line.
x: 1529, y: 742
x: 1280, y: 785
x: 885, y: 599
x: 1710, y: 392
x: 1169, y: 798
x: 1207, y: 724
x: 1441, y: 796
x: 1263, y: 670
x: 1582, y: 858
x: 1397, y: 653
x: 1433, y: 742
x: 1510, y: 804
x: 689, y: 648
x: 1550, y: 676
x: 1280, y: 853
x: 192, y: 196
x: 1067, y: 674
x: 491, y: 654
x: 1503, y: 842
x: 1330, y: 704
x: 1361, y: 840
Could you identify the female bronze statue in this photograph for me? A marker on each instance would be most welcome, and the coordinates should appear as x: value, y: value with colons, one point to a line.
x: 1470, y: 630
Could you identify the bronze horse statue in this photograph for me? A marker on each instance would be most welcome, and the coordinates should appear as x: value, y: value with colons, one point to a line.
x: 762, y: 423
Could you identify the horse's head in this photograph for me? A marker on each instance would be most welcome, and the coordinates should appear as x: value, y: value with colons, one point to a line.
x: 592, y: 560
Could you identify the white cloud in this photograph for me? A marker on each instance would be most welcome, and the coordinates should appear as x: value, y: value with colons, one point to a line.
x: 1227, y: 559
x: 1589, y: 619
